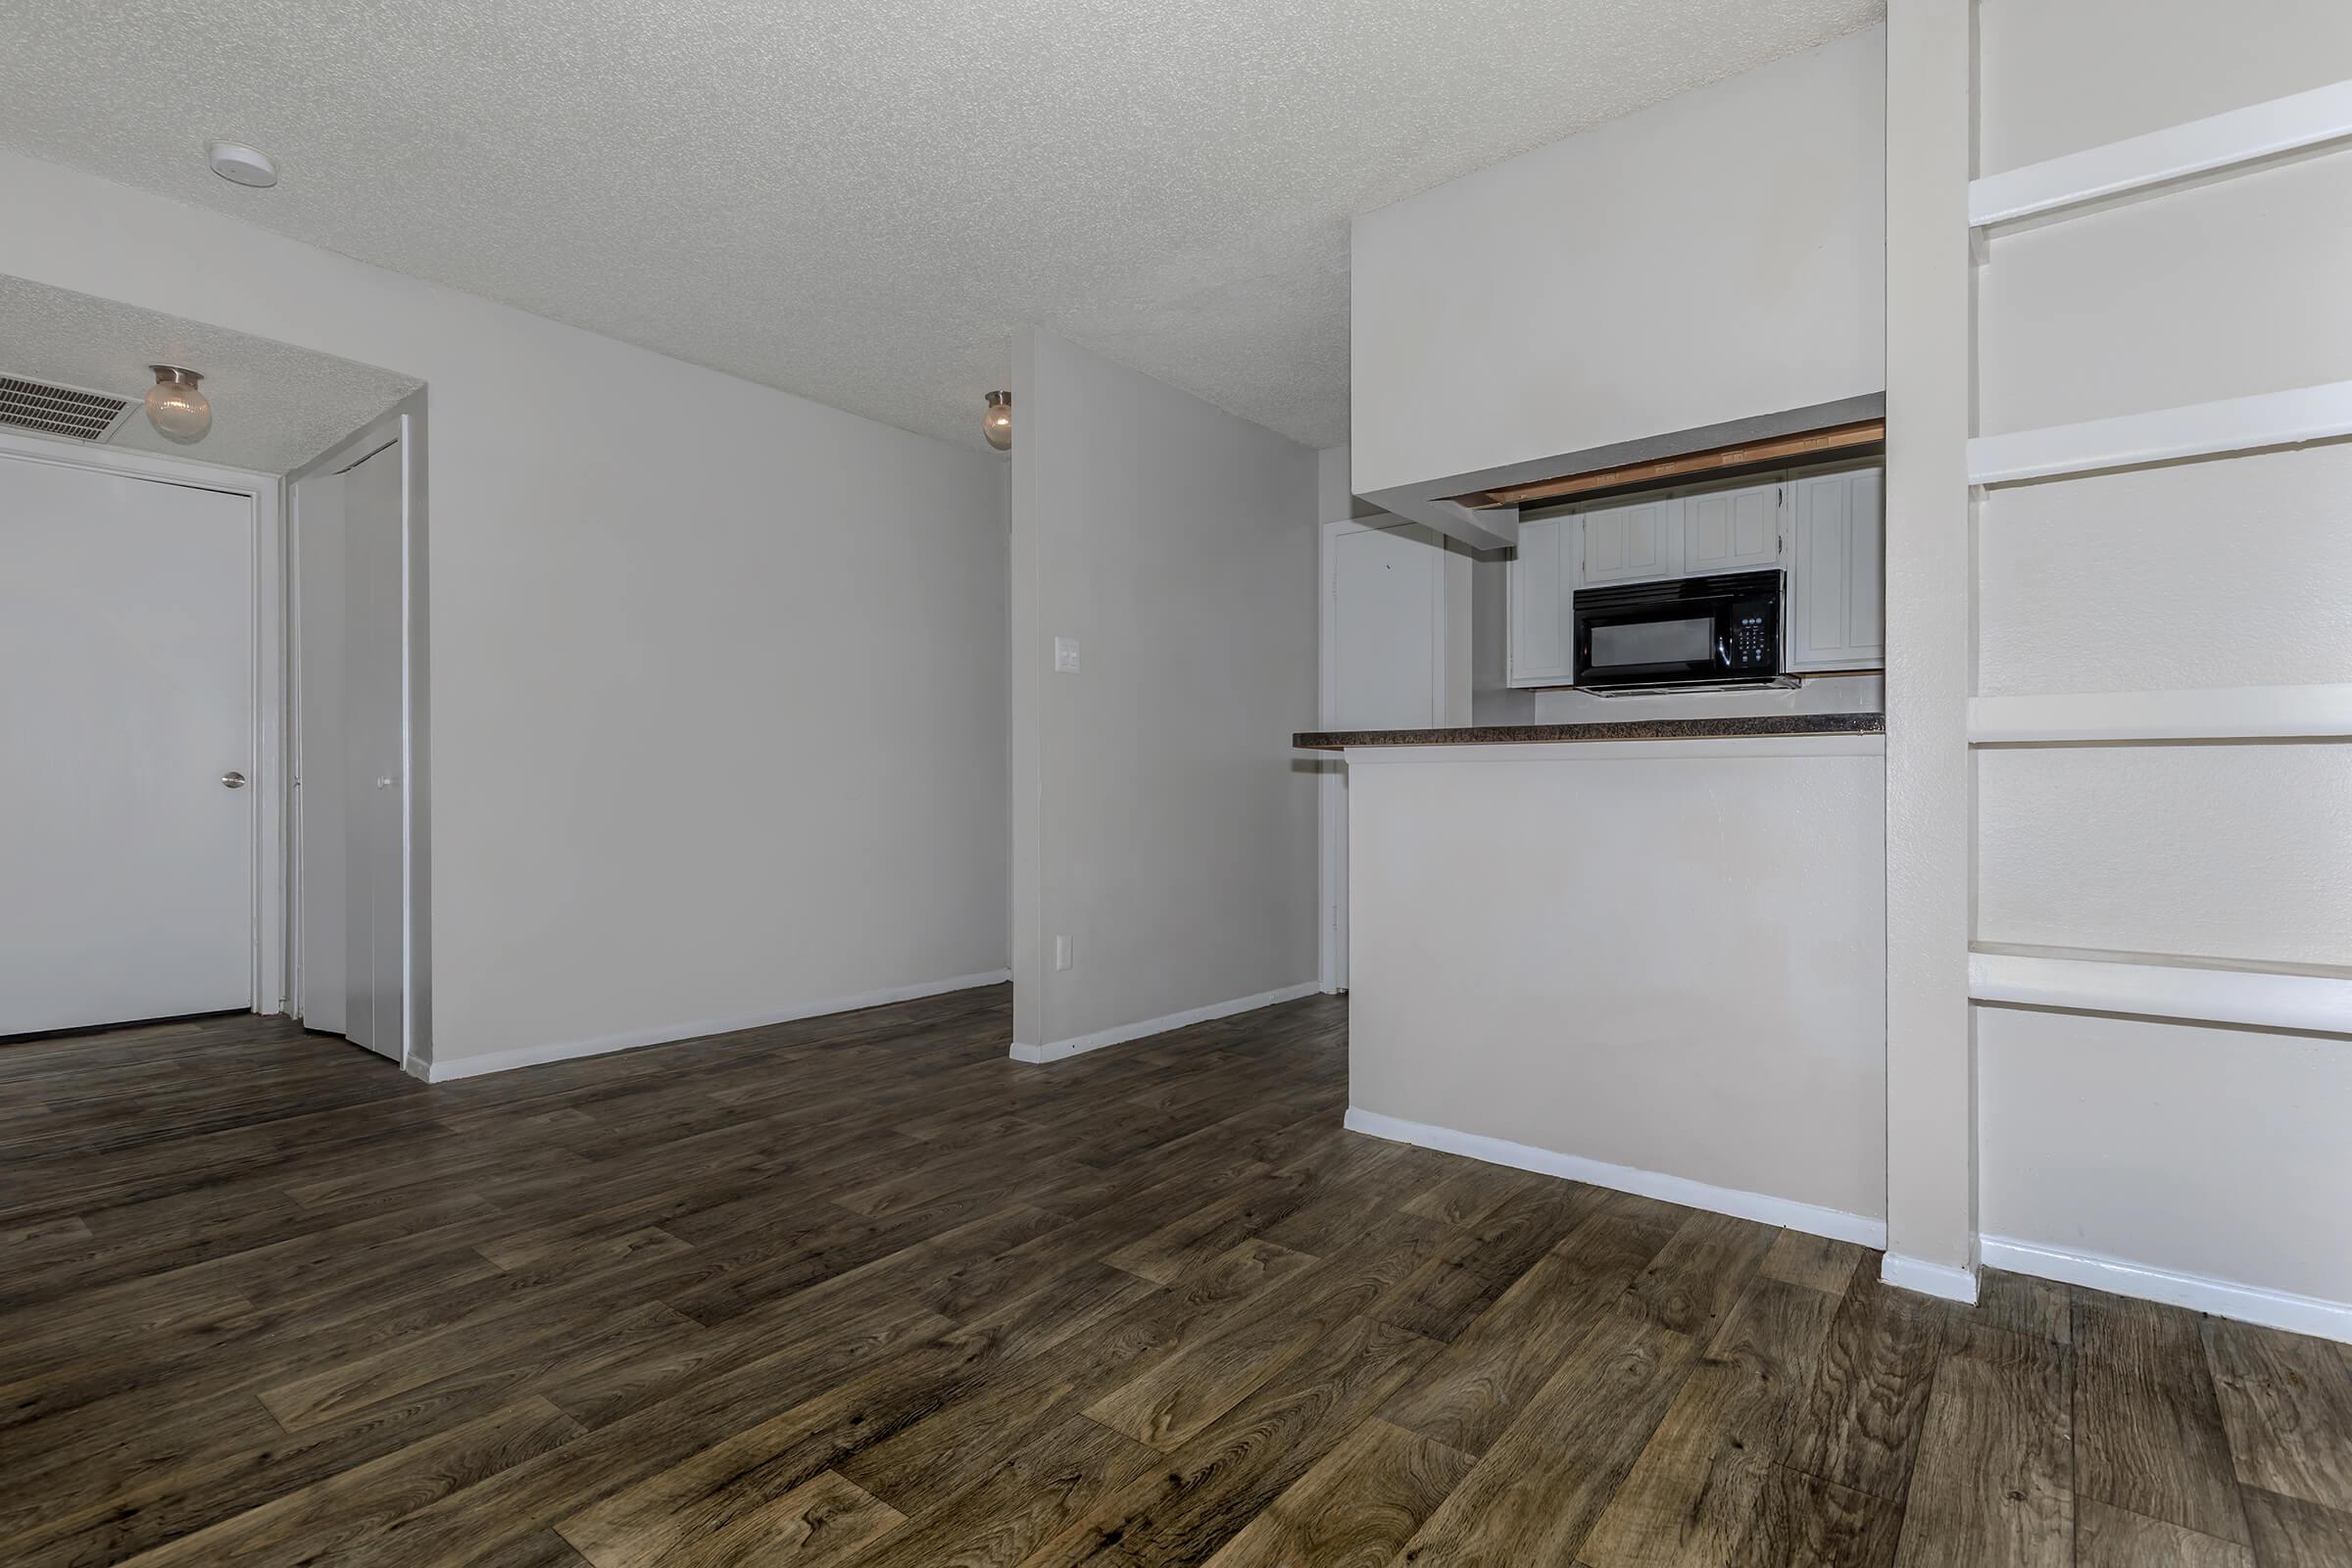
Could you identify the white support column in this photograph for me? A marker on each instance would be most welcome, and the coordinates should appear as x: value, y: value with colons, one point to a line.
x: 1930, y: 585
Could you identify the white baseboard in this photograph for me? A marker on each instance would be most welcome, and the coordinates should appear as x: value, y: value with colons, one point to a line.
x: 1812, y: 1219
x: 1058, y: 1050
x: 1928, y: 1279
x: 2247, y: 1303
x: 441, y: 1072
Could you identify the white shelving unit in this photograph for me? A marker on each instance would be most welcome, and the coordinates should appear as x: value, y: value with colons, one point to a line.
x: 2178, y: 152
x: 2228, y: 713
x: 2256, y: 423
x: 2153, y: 985
x: 2232, y: 141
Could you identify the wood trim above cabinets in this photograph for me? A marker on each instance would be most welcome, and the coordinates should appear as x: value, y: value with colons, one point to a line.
x: 1866, y: 435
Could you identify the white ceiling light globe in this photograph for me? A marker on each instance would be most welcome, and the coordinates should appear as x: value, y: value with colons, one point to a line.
x: 176, y: 410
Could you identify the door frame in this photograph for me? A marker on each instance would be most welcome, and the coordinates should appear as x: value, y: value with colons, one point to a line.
x: 267, y: 769
x: 404, y: 422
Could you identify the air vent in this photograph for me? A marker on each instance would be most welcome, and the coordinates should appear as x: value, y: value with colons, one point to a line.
x: 74, y: 412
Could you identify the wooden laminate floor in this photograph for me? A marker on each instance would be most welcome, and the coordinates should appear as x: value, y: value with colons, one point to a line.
x: 861, y: 1291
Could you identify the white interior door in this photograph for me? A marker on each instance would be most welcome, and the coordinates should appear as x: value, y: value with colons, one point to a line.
x: 373, y: 786
x: 126, y: 698
x: 1384, y: 666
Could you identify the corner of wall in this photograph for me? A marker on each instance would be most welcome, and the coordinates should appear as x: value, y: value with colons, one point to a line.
x: 1026, y: 753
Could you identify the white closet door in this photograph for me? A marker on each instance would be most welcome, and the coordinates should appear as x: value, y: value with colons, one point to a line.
x: 127, y: 701
x: 372, y: 728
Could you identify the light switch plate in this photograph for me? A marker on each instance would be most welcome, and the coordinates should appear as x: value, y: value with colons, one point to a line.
x: 1065, y: 660
x: 1061, y: 952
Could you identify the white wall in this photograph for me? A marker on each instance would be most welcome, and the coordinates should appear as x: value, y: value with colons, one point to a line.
x: 2242, y: 851
x: 2205, y: 1152
x: 1713, y: 257
x: 1665, y: 955
x: 2160, y: 63
x: 718, y: 706
x: 2216, y: 1153
x: 1160, y: 817
x: 2180, y: 578
x: 1332, y: 498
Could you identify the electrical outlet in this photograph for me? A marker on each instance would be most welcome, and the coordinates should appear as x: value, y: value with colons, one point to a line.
x: 1065, y: 663
x: 1061, y: 952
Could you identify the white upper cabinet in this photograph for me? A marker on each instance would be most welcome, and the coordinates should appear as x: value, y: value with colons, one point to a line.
x: 1632, y: 542
x: 1836, y: 606
x: 1731, y: 530
x: 1539, y: 605
x: 1687, y: 534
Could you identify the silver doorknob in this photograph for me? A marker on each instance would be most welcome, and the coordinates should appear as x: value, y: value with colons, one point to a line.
x: 233, y: 779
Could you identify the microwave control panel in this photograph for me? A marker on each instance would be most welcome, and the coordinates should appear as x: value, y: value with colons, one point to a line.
x: 1751, y: 635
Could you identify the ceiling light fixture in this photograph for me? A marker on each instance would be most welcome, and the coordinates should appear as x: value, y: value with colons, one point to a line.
x: 997, y: 423
x: 176, y: 407
x: 241, y: 166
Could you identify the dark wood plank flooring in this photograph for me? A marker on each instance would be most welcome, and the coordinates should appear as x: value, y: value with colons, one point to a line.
x: 861, y: 1290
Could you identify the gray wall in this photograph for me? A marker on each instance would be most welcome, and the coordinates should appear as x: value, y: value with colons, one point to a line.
x: 1161, y: 819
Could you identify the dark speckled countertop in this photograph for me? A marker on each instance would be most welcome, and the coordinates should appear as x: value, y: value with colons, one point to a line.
x: 1635, y: 729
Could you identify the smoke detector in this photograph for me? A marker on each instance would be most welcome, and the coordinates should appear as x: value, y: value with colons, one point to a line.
x: 242, y: 166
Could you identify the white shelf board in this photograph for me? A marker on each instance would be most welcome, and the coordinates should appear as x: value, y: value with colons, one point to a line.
x: 2200, y: 430
x: 2177, y: 152
x: 2238, y: 712
x: 2147, y: 985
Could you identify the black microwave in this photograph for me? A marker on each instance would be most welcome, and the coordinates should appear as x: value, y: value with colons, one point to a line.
x: 1693, y: 631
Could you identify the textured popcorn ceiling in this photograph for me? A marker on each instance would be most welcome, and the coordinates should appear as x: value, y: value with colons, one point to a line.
x: 860, y: 200
x: 275, y: 407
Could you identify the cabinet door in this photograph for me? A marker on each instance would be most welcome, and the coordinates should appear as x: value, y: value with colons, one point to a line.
x: 1540, y: 604
x: 1836, y: 616
x: 1731, y: 530
x: 1632, y: 543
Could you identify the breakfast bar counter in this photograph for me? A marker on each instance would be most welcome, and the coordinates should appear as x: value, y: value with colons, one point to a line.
x: 1657, y: 965
x: 1634, y: 729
